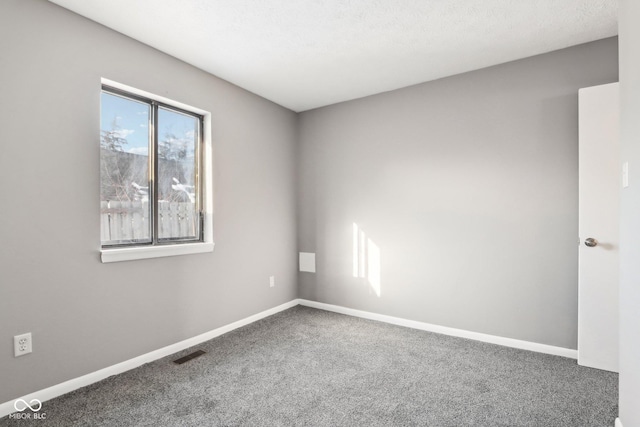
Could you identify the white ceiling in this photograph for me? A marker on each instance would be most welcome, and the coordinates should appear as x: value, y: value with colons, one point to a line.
x: 304, y: 54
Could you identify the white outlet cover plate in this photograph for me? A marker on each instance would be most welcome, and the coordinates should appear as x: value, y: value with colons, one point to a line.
x: 22, y: 344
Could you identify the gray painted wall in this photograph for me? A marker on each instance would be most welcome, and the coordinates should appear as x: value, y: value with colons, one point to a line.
x: 468, y: 188
x: 85, y: 315
x: 630, y: 214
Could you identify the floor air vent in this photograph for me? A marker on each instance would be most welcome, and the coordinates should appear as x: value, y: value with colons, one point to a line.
x: 189, y: 357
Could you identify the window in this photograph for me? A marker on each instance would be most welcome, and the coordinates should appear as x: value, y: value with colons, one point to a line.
x: 153, y: 198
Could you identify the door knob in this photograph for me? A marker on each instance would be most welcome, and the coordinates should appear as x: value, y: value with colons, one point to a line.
x: 591, y: 242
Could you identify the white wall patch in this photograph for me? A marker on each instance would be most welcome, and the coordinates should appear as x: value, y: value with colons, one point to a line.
x: 308, y: 262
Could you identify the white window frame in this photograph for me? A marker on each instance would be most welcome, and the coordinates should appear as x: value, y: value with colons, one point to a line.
x: 129, y: 253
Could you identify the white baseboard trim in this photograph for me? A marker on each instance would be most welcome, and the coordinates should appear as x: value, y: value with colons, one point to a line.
x: 618, y: 422
x: 88, y: 379
x: 493, y: 339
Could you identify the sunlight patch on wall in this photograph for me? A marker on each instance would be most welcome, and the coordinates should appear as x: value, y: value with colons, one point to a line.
x: 366, y: 259
x: 373, y: 266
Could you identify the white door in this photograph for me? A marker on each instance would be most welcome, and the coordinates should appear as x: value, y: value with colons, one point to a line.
x: 599, y: 186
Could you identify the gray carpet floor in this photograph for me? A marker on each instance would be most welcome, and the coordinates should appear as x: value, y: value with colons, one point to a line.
x: 307, y: 367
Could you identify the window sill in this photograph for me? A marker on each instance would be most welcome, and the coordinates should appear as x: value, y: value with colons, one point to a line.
x: 130, y: 254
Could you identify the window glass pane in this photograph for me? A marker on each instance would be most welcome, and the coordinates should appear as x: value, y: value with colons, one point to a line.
x: 178, y: 136
x: 124, y: 170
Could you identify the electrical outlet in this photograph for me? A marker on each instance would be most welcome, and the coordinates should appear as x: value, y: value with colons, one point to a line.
x: 22, y: 344
x: 272, y: 281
